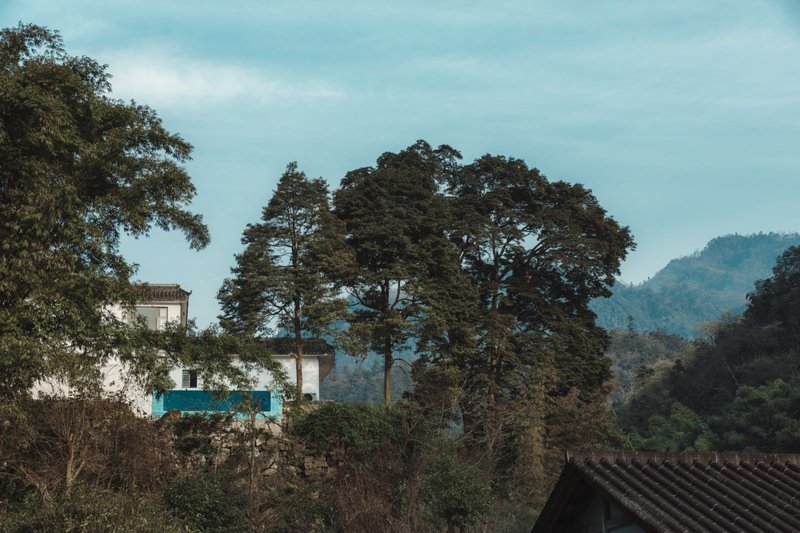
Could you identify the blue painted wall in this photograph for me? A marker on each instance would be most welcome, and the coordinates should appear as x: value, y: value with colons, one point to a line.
x: 270, y: 405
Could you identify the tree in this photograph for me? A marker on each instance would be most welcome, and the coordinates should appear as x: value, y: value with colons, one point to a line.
x: 285, y: 276
x: 394, y: 223
x: 535, y: 253
x: 78, y: 169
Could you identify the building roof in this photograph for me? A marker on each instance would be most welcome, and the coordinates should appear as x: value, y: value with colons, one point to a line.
x: 162, y: 292
x: 719, y: 492
x: 285, y: 345
x: 318, y: 348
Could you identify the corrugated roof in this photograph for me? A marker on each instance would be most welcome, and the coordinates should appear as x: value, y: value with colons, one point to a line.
x: 719, y: 492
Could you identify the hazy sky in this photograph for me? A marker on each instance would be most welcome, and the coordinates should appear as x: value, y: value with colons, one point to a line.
x: 682, y: 116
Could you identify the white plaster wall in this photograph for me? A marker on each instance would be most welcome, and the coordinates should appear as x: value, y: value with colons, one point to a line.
x: 116, y: 386
x: 310, y: 372
x: 261, y: 378
x: 116, y: 383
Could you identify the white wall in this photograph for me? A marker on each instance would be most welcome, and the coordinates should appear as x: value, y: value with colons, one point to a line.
x: 263, y: 380
x: 310, y: 372
x: 116, y: 381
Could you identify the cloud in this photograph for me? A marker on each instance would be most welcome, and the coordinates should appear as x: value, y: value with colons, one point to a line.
x: 165, y: 80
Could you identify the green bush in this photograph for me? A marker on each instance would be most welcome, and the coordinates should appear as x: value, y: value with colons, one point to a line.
x: 194, y: 432
x: 88, y: 509
x: 455, y: 493
x: 359, y: 428
x: 208, y: 503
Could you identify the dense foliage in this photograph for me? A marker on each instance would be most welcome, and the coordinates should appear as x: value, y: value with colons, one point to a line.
x: 736, y: 389
x: 78, y: 169
x: 285, y: 277
x: 635, y: 355
x: 394, y: 221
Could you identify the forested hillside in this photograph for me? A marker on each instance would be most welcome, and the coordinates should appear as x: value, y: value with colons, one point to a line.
x: 736, y: 389
x: 696, y: 288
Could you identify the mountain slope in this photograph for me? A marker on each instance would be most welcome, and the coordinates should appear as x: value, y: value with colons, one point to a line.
x: 696, y: 288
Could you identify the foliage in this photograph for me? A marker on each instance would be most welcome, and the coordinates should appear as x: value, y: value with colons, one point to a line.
x: 683, y: 431
x: 696, y: 288
x: 193, y: 433
x: 633, y: 355
x: 88, y: 508
x: 739, y: 387
x: 52, y: 443
x: 289, y: 508
x: 761, y: 418
x: 359, y: 428
x: 513, y: 318
x: 208, y: 503
x: 455, y: 493
x: 394, y: 224
x: 285, y: 277
x: 78, y: 169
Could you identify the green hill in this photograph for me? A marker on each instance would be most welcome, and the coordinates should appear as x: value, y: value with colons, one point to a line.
x: 696, y: 288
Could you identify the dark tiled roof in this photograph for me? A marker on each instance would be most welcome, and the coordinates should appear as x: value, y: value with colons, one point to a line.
x: 162, y: 292
x: 285, y: 345
x: 720, y: 492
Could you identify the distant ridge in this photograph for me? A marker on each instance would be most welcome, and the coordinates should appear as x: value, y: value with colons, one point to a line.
x: 696, y: 288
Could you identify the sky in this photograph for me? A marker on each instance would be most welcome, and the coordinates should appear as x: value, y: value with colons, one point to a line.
x: 683, y: 117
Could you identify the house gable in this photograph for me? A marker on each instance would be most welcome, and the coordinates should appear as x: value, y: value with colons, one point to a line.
x: 675, y: 492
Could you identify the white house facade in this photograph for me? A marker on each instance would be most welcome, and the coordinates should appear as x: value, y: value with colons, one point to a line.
x: 160, y: 304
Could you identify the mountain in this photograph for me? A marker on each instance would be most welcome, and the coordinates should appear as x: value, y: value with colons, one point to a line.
x: 696, y: 288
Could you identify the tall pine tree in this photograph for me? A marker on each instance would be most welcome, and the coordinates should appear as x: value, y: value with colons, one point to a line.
x: 394, y: 223
x: 285, y: 277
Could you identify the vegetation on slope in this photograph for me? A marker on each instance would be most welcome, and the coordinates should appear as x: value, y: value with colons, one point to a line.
x: 698, y: 288
x: 738, y: 388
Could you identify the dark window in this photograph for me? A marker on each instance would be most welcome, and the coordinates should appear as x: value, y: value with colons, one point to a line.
x: 189, y: 379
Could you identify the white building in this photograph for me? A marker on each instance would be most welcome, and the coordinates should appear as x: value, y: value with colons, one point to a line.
x: 163, y: 303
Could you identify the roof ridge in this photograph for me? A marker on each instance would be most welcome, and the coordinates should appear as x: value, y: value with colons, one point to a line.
x: 738, y: 457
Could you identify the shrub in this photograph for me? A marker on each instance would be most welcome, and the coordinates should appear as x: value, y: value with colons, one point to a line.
x: 208, y: 503
x: 455, y: 493
x: 359, y: 428
x: 87, y: 508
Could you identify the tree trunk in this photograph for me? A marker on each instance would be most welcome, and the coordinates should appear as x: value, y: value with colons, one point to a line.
x: 388, y: 356
x: 298, y: 350
x: 69, y: 470
x: 388, y: 361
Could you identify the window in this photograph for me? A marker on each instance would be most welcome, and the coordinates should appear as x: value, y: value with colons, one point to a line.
x: 155, y: 317
x: 189, y: 379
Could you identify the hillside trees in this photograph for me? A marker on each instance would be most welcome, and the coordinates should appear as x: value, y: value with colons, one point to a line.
x: 286, y: 275
x: 78, y: 169
x: 394, y: 219
x: 741, y: 381
x: 534, y: 253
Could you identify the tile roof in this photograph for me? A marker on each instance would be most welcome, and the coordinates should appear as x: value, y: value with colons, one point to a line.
x: 162, y: 292
x: 285, y: 345
x: 720, y: 492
